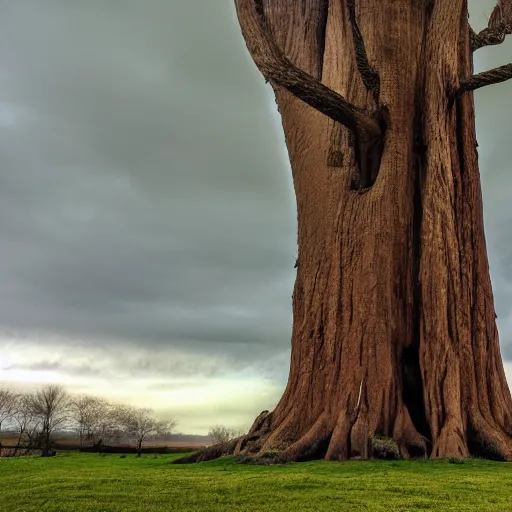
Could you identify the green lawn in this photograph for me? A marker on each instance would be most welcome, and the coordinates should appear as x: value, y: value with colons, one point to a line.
x: 90, y: 482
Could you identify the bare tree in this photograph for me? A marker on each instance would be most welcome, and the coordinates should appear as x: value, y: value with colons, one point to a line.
x: 26, y: 424
x: 141, y: 423
x: 8, y: 404
x: 90, y: 415
x: 36, y: 416
x: 108, y: 425
x: 50, y: 407
x: 223, y: 434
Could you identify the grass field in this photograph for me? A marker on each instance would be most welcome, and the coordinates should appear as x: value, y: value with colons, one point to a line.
x: 90, y: 482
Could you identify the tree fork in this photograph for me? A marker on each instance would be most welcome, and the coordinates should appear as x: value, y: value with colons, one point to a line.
x: 368, y: 127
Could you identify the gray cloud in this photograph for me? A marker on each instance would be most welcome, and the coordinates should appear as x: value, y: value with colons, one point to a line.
x: 145, y: 196
x: 146, y: 202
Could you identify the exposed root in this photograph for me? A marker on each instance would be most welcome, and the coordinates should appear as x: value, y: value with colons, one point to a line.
x: 450, y: 442
x: 312, y: 445
x: 247, y: 444
x: 351, y: 438
x: 489, y: 441
x: 361, y: 437
x: 209, y: 453
x: 252, y: 442
x: 410, y: 442
x: 339, y: 447
x: 284, y: 433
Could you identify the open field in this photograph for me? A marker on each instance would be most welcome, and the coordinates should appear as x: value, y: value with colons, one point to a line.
x: 90, y: 482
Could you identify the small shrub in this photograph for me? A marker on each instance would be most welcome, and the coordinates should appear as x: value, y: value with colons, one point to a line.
x: 385, y: 448
x: 122, y: 456
x: 244, y: 459
x: 264, y: 459
x: 455, y: 460
x: 270, y: 454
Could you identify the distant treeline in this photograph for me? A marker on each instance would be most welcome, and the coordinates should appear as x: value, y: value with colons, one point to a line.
x: 132, y: 449
x: 33, y: 419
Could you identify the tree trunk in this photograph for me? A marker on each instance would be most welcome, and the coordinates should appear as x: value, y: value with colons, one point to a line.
x: 18, y: 443
x: 46, y: 446
x: 394, y: 330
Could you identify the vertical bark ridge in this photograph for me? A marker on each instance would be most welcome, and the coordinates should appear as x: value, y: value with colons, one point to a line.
x: 321, y: 33
x: 455, y: 271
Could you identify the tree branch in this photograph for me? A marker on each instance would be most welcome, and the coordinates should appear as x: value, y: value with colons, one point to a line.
x: 279, y: 70
x: 499, y: 26
x: 494, y: 76
x: 488, y: 37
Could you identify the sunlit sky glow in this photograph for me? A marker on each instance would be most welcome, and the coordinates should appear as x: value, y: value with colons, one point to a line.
x: 147, y: 221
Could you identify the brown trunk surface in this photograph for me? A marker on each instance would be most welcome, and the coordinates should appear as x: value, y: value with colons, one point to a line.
x: 394, y: 328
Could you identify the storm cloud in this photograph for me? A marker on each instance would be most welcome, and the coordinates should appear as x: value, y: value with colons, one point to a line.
x: 147, y: 216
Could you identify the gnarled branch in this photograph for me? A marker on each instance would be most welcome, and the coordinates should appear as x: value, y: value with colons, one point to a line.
x: 279, y: 70
x: 499, y: 26
x: 494, y: 76
x: 488, y: 37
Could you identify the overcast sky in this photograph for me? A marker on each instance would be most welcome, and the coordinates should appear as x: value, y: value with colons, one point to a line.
x: 147, y: 216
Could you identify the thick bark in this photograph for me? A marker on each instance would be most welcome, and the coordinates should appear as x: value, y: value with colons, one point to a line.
x: 394, y: 327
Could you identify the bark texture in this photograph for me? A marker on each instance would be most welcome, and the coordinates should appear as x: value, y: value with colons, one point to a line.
x: 394, y: 330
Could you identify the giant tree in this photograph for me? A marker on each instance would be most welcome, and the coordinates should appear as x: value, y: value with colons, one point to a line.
x: 394, y: 329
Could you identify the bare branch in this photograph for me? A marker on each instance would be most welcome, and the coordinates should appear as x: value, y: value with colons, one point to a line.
x: 279, y: 70
x: 494, y: 76
x: 499, y: 26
